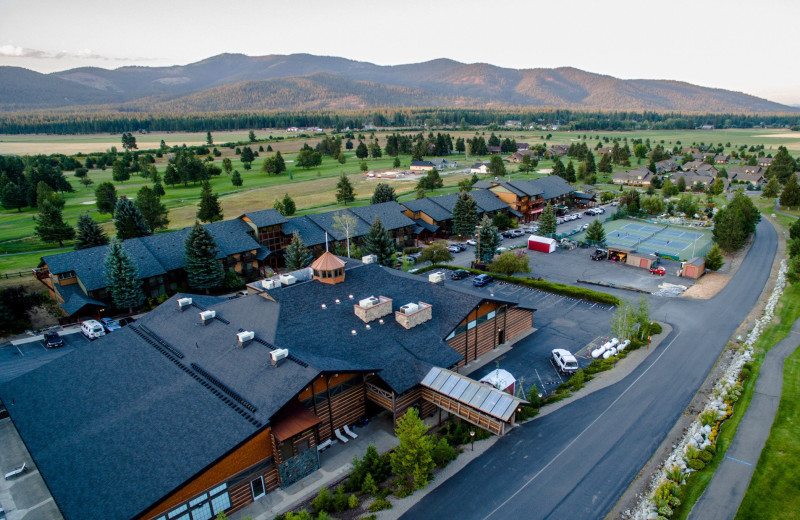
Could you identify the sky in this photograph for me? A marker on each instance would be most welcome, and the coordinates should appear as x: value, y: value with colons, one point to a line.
x: 739, y: 45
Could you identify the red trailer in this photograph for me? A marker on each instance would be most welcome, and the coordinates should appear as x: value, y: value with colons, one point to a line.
x: 541, y: 244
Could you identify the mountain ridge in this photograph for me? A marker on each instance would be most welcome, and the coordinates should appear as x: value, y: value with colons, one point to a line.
x: 309, y: 82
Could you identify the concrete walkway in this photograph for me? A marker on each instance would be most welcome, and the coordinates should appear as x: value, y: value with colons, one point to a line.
x: 724, y: 493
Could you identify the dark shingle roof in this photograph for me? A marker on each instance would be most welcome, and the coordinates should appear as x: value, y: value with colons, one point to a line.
x: 482, y: 185
x: 552, y: 186
x: 421, y: 163
x: 327, y: 223
x: 266, y: 218
x: 74, y: 299
x: 430, y: 208
x: 390, y: 213
x: 488, y: 201
x: 309, y: 231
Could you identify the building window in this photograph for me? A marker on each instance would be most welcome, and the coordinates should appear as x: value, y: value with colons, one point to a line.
x: 202, y: 513
x: 257, y: 486
x: 286, y: 451
x: 303, y: 446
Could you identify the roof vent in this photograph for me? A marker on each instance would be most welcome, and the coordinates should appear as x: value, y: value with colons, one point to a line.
x: 368, y: 302
x: 270, y: 284
x: 278, y: 356
x: 436, y: 277
x: 245, y: 337
x: 184, y: 303
x: 372, y: 308
x: 207, y: 316
x: 409, y: 308
x: 413, y: 314
x: 369, y: 259
x: 287, y: 279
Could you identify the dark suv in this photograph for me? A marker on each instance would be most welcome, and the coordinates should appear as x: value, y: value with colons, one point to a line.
x: 53, y: 340
x: 459, y: 274
x: 599, y: 254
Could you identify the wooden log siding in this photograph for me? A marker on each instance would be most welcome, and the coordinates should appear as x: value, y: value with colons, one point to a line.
x: 476, y: 342
x: 379, y: 396
x: 465, y: 412
x: 241, y: 494
x: 517, y: 322
x: 344, y: 408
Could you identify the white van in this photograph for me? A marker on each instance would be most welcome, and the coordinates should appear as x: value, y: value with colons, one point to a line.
x: 92, y: 329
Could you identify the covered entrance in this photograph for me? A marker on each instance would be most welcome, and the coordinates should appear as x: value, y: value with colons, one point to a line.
x: 294, y: 434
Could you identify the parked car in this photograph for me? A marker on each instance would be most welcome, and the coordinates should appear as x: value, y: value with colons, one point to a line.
x: 454, y: 249
x: 416, y: 255
x: 615, y: 203
x: 564, y: 361
x: 124, y: 322
x: 410, y: 259
x: 531, y: 229
x: 589, y: 211
x: 599, y: 254
x: 92, y: 329
x: 508, y: 233
x: 471, y: 242
x: 481, y: 280
x: 502, y: 249
x: 110, y: 325
x: 459, y: 274
x: 517, y: 233
x: 659, y: 270
x: 53, y: 340
x: 559, y: 220
x: 599, y: 210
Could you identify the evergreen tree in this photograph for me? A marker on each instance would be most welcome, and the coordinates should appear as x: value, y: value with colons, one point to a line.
x: 171, y: 175
x: 790, y: 196
x: 105, y: 196
x: 297, y: 254
x: 412, y: 460
x: 605, y: 166
x: 496, y: 166
x: 153, y: 211
x: 681, y: 184
x: 124, y: 284
x: 595, y: 234
x: 558, y: 167
x: 251, y: 136
x: 288, y: 205
x: 395, y: 164
x: 158, y: 189
x: 547, y: 221
x: 772, y: 188
x: 783, y: 166
x: 209, y: 209
x: 383, y: 193
x: 50, y: 225
x: 236, y: 178
x: 569, y: 173
x: 591, y: 168
x: 89, y: 233
x: 379, y: 242
x: 714, y: 258
x: 227, y: 166
x: 129, y: 221
x: 12, y: 197
x: 247, y: 157
x: 280, y: 164
x: 203, y: 270
x: 488, y: 241
x: 344, y: 190
x: 209, y: 139
x: 120, y: 171
x: 361, y: 150
x: 465, y: 215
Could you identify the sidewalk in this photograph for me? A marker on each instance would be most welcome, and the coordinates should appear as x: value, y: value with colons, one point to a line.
x: 724, y: 493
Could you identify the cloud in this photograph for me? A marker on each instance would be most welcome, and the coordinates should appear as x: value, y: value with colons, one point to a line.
x: 15, y: 51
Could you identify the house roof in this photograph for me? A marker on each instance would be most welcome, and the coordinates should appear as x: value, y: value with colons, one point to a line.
x: 309, y: 231
x: 552, y: 186
x: 640, y: 173
x: 390, y: 214
x: 422, y: 225
x: 327, y: 222
x: 421, y: 163
x: 266, y: 218
x: 488, y: 201
x: 327, y: 262
x: 430, y: 208
x: 74, y: 299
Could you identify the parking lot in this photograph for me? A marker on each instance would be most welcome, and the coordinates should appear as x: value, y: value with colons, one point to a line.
x: 562, y: 322
x: 16, y: 360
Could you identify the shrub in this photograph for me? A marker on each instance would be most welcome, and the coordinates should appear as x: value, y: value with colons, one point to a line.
x: 696, y: 464
x: 655, y: 328
x: 323, y: 501
x: 744, y: 374
x: 403, y: 492
x: 340, y: 500
x: 456, y: 432
x: 705, y: 456
x: 369, y: 487
x: 708, y: 417
x: 353, y: 502
x: 443, y: 453
x: 577, y: 380
x: 675, y: 474
x: 674, y: 502
x: 232, y: 281
x: 711, y: 449
x: 691, y: 452
x: 665, y: 511
x: 379, y: 505
x: 373, y: 463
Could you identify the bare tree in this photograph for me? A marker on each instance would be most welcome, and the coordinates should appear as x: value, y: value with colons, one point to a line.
x: 346, y: 223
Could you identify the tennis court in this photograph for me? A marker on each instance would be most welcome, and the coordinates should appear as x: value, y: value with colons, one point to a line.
x: 666, y: 240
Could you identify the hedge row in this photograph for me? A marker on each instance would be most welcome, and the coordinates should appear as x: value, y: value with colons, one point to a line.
x: 543, y: 285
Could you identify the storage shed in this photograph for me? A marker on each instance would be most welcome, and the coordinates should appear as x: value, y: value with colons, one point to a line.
x: 643, y: 260
x: 542, y: 244
x: 694, y: 268
x: 502, y: 380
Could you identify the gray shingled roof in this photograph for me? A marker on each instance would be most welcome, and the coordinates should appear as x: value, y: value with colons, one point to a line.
x: 390, y: 213
x: 327, y: 223
x: 266, y: 217
x: 309, y: 231
x: 488, y: 201
x: 74, y: 299
x: 552, y: 186
x: 430, y: 208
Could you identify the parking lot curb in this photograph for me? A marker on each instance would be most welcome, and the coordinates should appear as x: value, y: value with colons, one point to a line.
x: 614, y: 286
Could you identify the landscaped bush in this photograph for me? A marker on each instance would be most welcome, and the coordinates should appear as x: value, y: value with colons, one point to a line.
x: 340, y: 500
x: 456, y: 432
x: 378, y: 466
x: 323, y: 501
x: 665, y: 511
x: 696, y: 464
x: 443, y: 453
x: 369, y: 487
x: 711, y: 449
x: 379, y: 505
x: 655, y: 328
x: 705, y: 456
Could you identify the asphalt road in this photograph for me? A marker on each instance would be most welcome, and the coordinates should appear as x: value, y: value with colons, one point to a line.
x: 17, y: 360
x: 576, y: 462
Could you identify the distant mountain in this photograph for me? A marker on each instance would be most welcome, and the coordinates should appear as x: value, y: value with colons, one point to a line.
x: 306, y: 82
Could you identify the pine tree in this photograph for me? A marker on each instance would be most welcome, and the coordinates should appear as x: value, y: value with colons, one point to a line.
x: 488, y: 241
x: 209, y: 209
x: 297, y: 254
x: 783, y: 166
x: 251, y: 136
x: 465, y: 215
x: 153, y: 211
x: 280, y: 164
x: 383, y: 193
x: 790, y: 196
x: 12, y: 197
x: 236, y: 178
x: 604, y: 166
x: 203, y: 270
x: 50, y: 225
x: 247, y: 157
x: 288, y: 205
x: 714, y: 258
x: 771, y: 189
x: 123, y: 278
x: 595, y: 234
x: 412, y: 460
x: 378, y: 242
x: 569, y: 173
x: 105, y: 197
x: 89, y: 233
x: 558, y: 167
x: 158, y: 189
x: 209, y: 139
x: 171, y: 176
x: 129, y: 221
x: 344, y: 190
x: 547, y: 221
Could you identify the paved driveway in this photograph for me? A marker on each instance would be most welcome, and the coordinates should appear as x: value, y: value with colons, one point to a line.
x: 17, y: 360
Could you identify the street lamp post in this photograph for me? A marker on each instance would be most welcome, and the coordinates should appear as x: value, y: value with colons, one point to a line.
x: 472, y: 439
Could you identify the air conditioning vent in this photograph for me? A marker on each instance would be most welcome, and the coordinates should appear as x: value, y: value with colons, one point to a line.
x: 207, y: 316
x: 269, y: 284
x: 369, y: 259
x: 368, y: 302
x: 184, y: 303
x: 278, y: 356
x: 287, y: 279
x: 245, y: 337
x: 409, y: 308
x: 436, y: 277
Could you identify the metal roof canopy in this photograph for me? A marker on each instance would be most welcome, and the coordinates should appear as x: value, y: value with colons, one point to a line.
x: 469, y: 392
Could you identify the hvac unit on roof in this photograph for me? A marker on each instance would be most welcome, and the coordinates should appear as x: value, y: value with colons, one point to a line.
x: 368, y: 302
x: 436, y: 277
x: 184, y: 303
x: 269, y: 284
x: 207, y: 316
x: 369, y: 259
x: 409, y: 308
x: 278, y: 356
x: 245, y: 337
x: 287, y: 279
